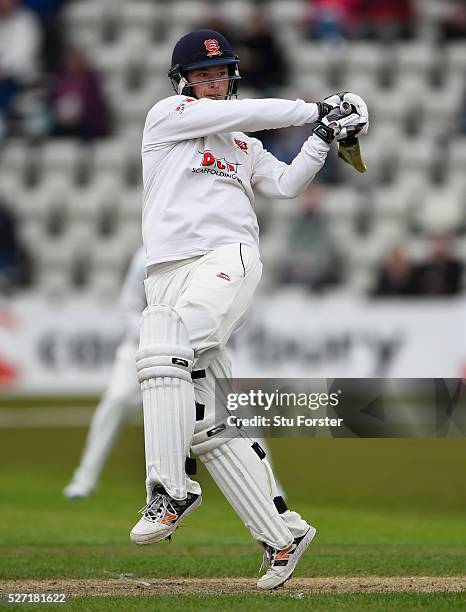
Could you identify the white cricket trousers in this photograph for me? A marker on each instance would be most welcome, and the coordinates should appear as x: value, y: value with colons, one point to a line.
x: 210, y: 293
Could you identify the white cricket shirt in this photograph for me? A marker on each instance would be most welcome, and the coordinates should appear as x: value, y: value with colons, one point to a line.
x: 200, y: 171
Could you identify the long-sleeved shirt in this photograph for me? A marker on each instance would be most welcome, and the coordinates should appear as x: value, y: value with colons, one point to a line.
x: 200, y: 171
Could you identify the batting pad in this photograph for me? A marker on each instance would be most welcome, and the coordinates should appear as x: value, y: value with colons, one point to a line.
x: 244, y: 476
x: 244, y: 480
x: 164, y: 363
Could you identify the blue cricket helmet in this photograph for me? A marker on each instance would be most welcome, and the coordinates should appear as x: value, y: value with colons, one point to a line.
x: 201, y: 49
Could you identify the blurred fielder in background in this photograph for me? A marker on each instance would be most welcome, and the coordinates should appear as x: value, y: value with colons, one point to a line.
x: 201, y: 240
x: 123, y: 393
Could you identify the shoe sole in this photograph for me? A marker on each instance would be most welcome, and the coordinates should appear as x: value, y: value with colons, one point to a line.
x: 151, y: 539
x: 301, y: 549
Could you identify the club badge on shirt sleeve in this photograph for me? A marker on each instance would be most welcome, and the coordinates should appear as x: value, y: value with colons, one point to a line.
x: 242, y: 145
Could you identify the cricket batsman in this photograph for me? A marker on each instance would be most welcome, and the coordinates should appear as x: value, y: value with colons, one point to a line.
x: 200, y: 233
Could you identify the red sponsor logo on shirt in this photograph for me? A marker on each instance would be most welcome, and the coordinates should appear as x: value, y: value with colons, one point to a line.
x: 224, y: 276
x: 212, y: 47
x: 217, y: 166
x: 209, y: 159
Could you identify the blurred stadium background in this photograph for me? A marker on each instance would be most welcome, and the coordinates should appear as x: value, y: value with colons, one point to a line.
x: 364, y: 274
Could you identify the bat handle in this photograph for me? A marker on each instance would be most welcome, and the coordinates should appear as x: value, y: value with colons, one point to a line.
x: 345, y: 108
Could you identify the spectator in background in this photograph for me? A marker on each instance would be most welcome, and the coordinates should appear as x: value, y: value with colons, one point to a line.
x: 312, y: 259
x: 14, y: 265
x: 285, y: 143
x: 20, y: 39
x: 386, y: 20
x: 49, y: 15
x: 453, y: 25
x: 78, y: 105
x: 263, y: 62
x: 331, y: 20
x: 441, y: 274
x: 396, y: 276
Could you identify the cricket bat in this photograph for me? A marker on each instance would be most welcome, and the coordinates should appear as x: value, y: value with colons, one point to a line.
x: 348, y: 149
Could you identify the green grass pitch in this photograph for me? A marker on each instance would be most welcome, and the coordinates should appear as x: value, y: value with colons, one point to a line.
x: 381, y: 507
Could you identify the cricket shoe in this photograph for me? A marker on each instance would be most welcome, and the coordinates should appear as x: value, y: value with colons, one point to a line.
x: 162, y: 515
x: 78, y: 489
x: 281, y: 563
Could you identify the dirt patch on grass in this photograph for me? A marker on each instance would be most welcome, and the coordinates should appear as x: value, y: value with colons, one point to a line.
x: 127, y: 585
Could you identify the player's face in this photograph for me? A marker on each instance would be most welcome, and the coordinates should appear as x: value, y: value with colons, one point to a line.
x: 216, y: 89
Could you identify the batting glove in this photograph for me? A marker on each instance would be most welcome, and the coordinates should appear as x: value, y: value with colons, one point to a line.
x: 356, y: 101
x: 338, y: 125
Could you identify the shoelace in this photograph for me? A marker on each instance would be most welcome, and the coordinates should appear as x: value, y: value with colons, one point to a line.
x: 157, y: 507
x: 270, y: 554
x: 267, y: 559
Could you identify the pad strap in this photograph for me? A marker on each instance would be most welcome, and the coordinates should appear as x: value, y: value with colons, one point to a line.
x: 260, y: 452
x: 280, y: 504
x: 198, y: 374
x: 190, y: 466
x: 200, y: 411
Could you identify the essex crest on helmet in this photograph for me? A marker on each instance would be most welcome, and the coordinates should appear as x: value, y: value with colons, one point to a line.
x: 212, y: 47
